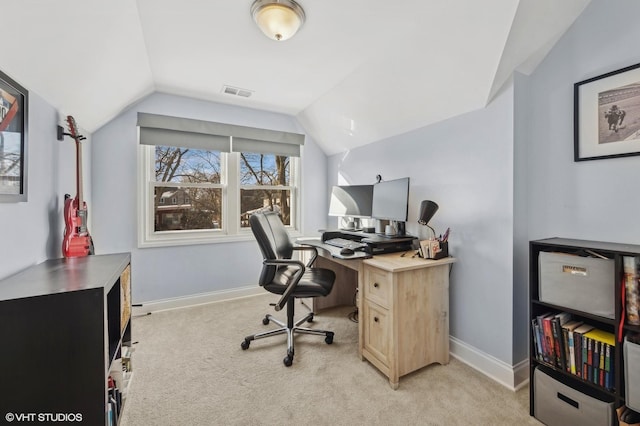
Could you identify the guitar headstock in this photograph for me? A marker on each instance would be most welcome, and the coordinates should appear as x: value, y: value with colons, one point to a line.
x: 73, y: 129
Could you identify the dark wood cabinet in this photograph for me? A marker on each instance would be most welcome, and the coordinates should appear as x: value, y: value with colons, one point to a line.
x: 64, y: 326
x: 613, y: 288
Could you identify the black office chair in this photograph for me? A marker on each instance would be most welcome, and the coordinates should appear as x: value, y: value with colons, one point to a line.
x: 290, y: 278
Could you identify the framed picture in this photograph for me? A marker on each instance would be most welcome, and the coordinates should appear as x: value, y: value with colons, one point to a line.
x: 14, y: 101
x: 607, y: 115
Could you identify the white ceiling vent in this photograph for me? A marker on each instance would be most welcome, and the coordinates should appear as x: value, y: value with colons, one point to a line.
x: 230, y: 90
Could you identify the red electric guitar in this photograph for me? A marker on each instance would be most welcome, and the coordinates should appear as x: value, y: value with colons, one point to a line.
x: 76, y: 242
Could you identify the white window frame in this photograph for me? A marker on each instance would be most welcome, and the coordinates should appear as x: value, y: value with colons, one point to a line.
x: 230, y: 184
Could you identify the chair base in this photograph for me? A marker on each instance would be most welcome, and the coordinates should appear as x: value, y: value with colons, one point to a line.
x: 289, y: 329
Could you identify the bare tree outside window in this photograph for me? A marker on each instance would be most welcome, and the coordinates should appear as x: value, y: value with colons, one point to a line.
x: 265, y: 185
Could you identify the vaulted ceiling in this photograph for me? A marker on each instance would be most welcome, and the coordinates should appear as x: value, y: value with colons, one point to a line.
x: 358, y: 71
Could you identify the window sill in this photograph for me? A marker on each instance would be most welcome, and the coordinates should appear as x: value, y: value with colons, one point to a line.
x: 191, y: 241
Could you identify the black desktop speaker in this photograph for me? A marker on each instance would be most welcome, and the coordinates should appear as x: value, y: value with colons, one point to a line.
x: 401, y: 228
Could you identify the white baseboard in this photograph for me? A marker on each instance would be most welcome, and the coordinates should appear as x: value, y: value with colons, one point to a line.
x: 197, y: 299
x: 521, y: 373
x: 512, y: 377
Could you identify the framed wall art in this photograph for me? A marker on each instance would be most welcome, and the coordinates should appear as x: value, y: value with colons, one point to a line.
x: 14, y: 101
x: 607, y: 115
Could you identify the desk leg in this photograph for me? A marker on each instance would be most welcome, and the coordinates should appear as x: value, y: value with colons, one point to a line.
x: 359, y: 304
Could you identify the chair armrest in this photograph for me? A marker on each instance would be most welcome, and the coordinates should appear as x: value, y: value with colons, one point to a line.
x: 308, y: 248
x: 294, y: 282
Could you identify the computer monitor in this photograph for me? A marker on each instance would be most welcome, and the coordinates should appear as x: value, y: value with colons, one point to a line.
x: 351, y: 200
x: 391, y: 200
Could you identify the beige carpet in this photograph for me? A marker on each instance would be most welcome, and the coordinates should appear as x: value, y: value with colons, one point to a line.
x: 189, y: 369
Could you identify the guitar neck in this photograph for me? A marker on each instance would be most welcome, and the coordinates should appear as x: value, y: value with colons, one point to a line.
x: 77, y: 137
x: 79, y: 173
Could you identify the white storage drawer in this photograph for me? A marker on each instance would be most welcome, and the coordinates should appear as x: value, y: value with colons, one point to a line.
x: 582, y: 283
x: 632, y: 375
x: 557, y: 404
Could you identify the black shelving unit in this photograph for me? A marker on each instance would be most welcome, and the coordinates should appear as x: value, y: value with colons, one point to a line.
x: 64, y: 324
x: 537, y: 307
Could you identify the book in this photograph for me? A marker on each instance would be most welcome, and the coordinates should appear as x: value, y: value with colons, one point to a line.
x: 550, y: 340
x: 586, y: 358
x: 567, y: 330
x: 567, y: 354
x: 607, y: 367
x: 580, y: 350
x: 603, y: 348
x: 595, y: 361
x: 557, y: 359
x: 600, y: 339
x: 556, y: 328
x: 607, y: 358
x: 601, y: 369
x: 577, y: 341
x: 535, y: 338
x: 601, y: 336
x: 110, y: 415
x: 545, y: 335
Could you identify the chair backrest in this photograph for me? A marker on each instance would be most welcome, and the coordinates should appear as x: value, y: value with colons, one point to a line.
x: 274, y: 242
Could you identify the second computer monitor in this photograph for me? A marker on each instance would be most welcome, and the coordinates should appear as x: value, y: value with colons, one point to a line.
x: 391, y: 200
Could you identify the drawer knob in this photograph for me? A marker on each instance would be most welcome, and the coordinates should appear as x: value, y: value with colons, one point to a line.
x: 375, y: 319
x: 376, y: 285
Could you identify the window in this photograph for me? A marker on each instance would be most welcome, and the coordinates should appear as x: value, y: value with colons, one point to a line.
x: 205, y: 190
x: 182, y: 175
x: 265, y: 184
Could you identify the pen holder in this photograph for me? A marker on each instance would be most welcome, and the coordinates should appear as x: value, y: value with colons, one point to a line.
x: 434, y: 249
x: 444, y: 251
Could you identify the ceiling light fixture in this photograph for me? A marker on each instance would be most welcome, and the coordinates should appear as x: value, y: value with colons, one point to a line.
x: 278, y: 19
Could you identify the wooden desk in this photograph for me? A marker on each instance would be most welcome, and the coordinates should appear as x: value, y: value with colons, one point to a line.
x: 403, y: 307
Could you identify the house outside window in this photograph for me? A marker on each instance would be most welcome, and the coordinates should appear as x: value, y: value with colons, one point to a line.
x: 191, y: 179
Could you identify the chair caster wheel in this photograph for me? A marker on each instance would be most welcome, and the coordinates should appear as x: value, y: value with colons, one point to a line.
x: 265, y: 321
x: 310, y: 319
x: 288, y: 360
x: 329, y: 339
x: 245, y: 344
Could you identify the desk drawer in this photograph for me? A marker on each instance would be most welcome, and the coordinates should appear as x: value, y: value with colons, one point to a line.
x: 377, y: 286
x: 376, y: 331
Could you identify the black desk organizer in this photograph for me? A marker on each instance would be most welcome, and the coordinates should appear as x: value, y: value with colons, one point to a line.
x: 444, y: 251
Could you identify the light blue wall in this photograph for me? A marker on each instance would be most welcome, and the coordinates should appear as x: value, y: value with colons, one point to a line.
x: 161, y: 273
x: 594, y: 200
x: 465, y: 164
x: 31, y: 232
